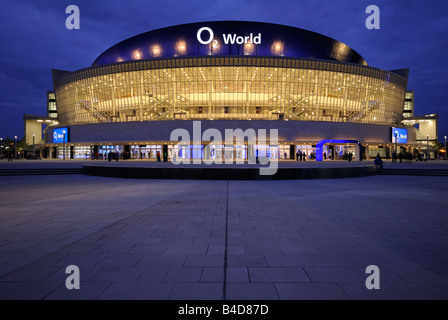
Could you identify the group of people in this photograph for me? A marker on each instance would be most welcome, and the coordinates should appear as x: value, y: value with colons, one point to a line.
x: 300, y: 156
x: 408, y: 157
x: 348, y: 156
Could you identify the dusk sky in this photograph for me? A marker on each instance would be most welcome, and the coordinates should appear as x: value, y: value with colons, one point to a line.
x: 34, y: 40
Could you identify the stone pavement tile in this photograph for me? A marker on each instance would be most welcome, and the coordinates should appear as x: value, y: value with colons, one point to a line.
x: 26, y: 290
x: 358, y: 291
x: 234, y: 233
x: 277, y: 260
x: 285, y: 233
x: 237, y: 274
x: 118, y: 274
x: 117, y: 248
x: 204, y: 261
x: 31, y: 273
x: 281, y: 241
x: 438, y: 249
x: 330, y: 261
x: 184, y: 274
x: 197, y: 291
x: 186, y: 249
x: 165, y: 232
x: 182, y: 241
x: 374, y: 249
x: 49, y: 259
x: 379, y: 260
x: 277, y: 274
x: 209, y: 241
x: 429, y: 262
x: 309, y: 241
x: 441, y: 270
x: 236, y: 250
x: 249, y: 233
x: 345, y: 250
x: 119, y: 260
x: 246, y: 260
x: 89, y: 290
x: 153, y: 274
x: 81, y: 248
x: 262, y: 250
x: 197, y: 233
x: 137, y: 291
x: 18, y: 246
x: 212, y: 274
x: 216, y: 250
x: 159, y: 248
x: 421, y: 275
x: 7, y: 257
x: 130, y: 238
x: 80, y: 260
x: 421, y: 291
x: 162, y: 260
x: 336, y: 275
x: 301, y: 250
x: 4, y: 270
x: 218, y: 233
x: 246, y: 241
x: 310, y: 291
x: 251, y: 291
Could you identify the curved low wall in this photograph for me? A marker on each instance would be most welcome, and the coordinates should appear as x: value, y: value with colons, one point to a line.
x: 210, y: 173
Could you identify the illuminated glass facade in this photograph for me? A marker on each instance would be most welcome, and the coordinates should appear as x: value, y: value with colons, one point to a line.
x: 307, y: 86
x: 52, y: 111
x: 408, y: 109
x: 230, y: 88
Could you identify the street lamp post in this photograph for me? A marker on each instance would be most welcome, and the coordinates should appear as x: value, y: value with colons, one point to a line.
x: 427, y: 146
x: 445, y: 147
x: 63, y: 140
x: 15, y: 147
x: 33, y: 145
x: 396, y: 140
x: 1, y: 146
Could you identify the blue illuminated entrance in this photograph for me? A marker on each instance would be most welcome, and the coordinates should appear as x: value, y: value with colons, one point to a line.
x: 320, y: 145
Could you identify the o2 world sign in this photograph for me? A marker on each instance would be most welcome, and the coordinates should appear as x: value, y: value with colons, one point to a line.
x: 399, y: 135
x: 228, y: 38
x: 60, y: 135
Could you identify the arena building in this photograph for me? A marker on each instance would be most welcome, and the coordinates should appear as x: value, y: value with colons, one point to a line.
x: 319, y: 93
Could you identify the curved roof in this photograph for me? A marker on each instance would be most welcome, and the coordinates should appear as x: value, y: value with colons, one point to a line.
x: 276, y: 40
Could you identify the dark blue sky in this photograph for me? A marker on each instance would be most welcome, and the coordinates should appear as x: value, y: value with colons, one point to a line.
x: 413, y: 34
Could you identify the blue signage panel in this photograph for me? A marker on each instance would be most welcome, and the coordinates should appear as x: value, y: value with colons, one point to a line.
x: 399, y: 135
x: 60, y: 135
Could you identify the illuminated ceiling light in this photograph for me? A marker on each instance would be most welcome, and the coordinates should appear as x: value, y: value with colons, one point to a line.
x: 277, y: 48
x: 181, y: 47
x: 137, y: 54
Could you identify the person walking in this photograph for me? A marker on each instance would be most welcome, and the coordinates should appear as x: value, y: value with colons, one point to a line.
x: 297, y: 155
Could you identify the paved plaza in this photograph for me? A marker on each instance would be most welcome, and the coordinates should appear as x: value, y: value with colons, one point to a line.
x: 184, y: 239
